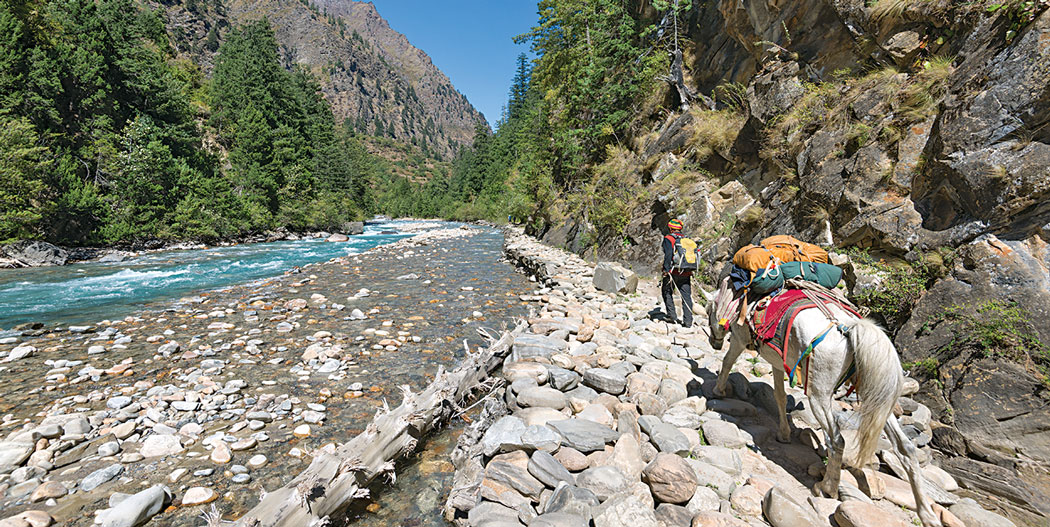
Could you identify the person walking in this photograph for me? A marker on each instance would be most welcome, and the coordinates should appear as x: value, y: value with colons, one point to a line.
x: 677, y: 273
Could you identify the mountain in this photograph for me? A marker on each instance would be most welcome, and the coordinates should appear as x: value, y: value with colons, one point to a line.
x: 373, y: 77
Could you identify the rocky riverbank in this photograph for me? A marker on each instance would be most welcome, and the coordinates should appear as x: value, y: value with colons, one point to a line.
x: 31, y: 253
x: 213, y: 399
x: 607, y: 418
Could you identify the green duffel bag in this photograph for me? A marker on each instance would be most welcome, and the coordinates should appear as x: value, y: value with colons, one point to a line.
x: 767, y: 281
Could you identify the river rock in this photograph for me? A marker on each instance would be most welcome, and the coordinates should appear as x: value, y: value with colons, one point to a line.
x: 489, y: 513
x: 670, y: 478
x: 571, y: 500
x: 48, y: 490
x: 631, y: 507
x: 19, y: 352
x: 747, y: 500
x: 503, y: 436
x: 614, y: 278
x: 725, y: 459
x: 717, y: 519
x: 583, y: 435
x: 100, y: 476
x: 723, y: 433
x: 781, y: 510
x: 529, y: 346
x: 605, y: 380
x: 627, y: 456
x: 36, y: 253
x: 137, y: 509
x: 704, y: 499
x: 559, y: 519
x: 713, y: 477
x: 221, y: 453
x: 540, y: 438
x: 663, y: 436
x: 198, y: 496
x: 972, y: 514
x: 160, y: 445
x: 542, y: 396
x: 12, y: 455
x: 515, y: 477
x: 603, y: 481
x: 337, y: 238
x: 572, y: 459
x: 563, y: 379
x: 859, y: 514
x: 545, y: 468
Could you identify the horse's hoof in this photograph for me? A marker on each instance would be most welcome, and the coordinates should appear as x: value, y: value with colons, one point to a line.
x: 720, y: 394
x: 820, y: 492
x: 784, y: 438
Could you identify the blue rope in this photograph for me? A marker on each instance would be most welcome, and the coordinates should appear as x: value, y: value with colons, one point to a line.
x: 808, y: 350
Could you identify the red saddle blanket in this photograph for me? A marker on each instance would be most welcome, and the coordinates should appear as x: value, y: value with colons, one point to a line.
x: 772, y: 324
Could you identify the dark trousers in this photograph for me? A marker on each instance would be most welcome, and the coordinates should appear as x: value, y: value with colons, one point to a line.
x: 671, y: 282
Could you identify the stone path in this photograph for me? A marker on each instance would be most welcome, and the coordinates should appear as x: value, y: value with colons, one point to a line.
x: 610, y: 422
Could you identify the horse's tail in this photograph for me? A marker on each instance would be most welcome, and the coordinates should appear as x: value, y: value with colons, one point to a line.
x: 880, y: 381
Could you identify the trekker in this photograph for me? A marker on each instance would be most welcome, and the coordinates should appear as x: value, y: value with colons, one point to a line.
x: 679, y: 264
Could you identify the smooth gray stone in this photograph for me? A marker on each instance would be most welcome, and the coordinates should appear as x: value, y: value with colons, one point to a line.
x: 603, y: 481
x: 562, y: 379
x: 605, y: 380
x: 665, y: 437
x: 559, y: 519
x: 571, y: 500
x: 100, y: 476
x: 503, y: 436
x: 583, y: 435
x: 538, y: 437
x: 545, y: 468
x: 137, y: 509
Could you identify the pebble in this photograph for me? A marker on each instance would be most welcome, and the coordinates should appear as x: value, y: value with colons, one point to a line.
x: 301, y: 431
x: 100, y: 477
x: 257, y: 461
x: 241, y: 478
x: 198, y: 496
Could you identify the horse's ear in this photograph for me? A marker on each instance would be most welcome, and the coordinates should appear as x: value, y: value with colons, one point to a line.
x: 709, y: 296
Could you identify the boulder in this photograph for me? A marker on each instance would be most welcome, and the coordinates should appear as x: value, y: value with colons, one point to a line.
x: 971, y: 513
x: 663, y: 436
x: 603, y: 481
x: 545, y: 468
x: 782, y: 510
x: 583, y: 435
x: 529, y: 346
x: 614, y: 278
x: 569, y: 499
x: 13, y: 454
x: 353, y: 228
x: 503, y: 436
x: 605, y: 380
x: 337, y: 238
x: 670, y: 478
x: 136, y: 509
x: 559, y: 519
x: 859, y: 514
x: 160, y: 445
x: 36, y: 253
x: 631, y: 507
x: 542, y: 396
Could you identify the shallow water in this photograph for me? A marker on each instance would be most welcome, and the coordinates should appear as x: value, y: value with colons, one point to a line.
x: 90, y: 291
x: 466, y: 276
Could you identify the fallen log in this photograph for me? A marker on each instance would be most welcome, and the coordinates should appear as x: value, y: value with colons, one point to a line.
x: 338, y: 476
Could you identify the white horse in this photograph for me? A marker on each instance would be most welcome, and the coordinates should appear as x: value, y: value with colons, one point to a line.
x: 879, y: 385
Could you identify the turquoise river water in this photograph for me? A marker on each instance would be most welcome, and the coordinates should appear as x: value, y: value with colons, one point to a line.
x: 91, y: 291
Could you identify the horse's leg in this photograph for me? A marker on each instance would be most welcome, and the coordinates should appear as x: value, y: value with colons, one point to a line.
x: 906, y: 449
x: 780, y: 394
x: 736, y: 347
x: 823, y: 412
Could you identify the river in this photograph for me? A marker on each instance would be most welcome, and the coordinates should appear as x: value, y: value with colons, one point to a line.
x: 86, y: 292
x: 246, y: 330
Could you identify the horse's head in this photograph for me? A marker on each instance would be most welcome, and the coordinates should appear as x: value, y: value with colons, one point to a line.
x: 718, y: 312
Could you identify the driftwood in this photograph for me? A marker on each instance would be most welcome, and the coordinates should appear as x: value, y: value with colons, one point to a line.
x: 466, y: 484
x: 337, y: 477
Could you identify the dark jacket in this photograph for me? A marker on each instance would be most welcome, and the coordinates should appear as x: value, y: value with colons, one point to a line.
x: 668, y: 246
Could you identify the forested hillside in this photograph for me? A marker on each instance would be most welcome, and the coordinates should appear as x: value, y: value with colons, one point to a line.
x: 107, y: 137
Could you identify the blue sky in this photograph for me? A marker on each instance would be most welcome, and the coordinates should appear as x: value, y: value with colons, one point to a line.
x: 469, y: 40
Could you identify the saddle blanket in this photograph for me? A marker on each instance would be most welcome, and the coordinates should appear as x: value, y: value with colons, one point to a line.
x: 772, y: 322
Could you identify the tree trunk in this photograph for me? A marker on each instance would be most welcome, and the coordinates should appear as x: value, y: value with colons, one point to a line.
x: 336, y: 477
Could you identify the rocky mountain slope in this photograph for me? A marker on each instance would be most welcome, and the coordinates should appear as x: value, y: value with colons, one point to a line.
x: 909, y: 136
x: 373, y: 77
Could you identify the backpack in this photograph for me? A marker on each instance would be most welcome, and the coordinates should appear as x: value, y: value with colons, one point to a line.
x: 790, y: 249
x: 684, y: 258
x: 754, y: 258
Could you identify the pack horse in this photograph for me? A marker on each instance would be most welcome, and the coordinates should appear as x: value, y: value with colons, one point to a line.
x: 828, y: 345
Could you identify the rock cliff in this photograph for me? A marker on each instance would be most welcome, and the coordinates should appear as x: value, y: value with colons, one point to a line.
x: 373, y: 77
x: 910, y: 136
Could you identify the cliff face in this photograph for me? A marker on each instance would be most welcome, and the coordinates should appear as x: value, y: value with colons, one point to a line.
x: 910, y: 135
x: 373, y: 77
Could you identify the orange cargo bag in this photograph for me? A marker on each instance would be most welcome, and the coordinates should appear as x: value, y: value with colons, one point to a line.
x: 790, y: 249
x: 753, y: 258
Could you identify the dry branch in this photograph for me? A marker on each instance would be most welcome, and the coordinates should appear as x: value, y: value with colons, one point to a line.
x: 336, y: 477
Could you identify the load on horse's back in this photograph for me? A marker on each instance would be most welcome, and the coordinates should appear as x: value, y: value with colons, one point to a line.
x: 807, y: 331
